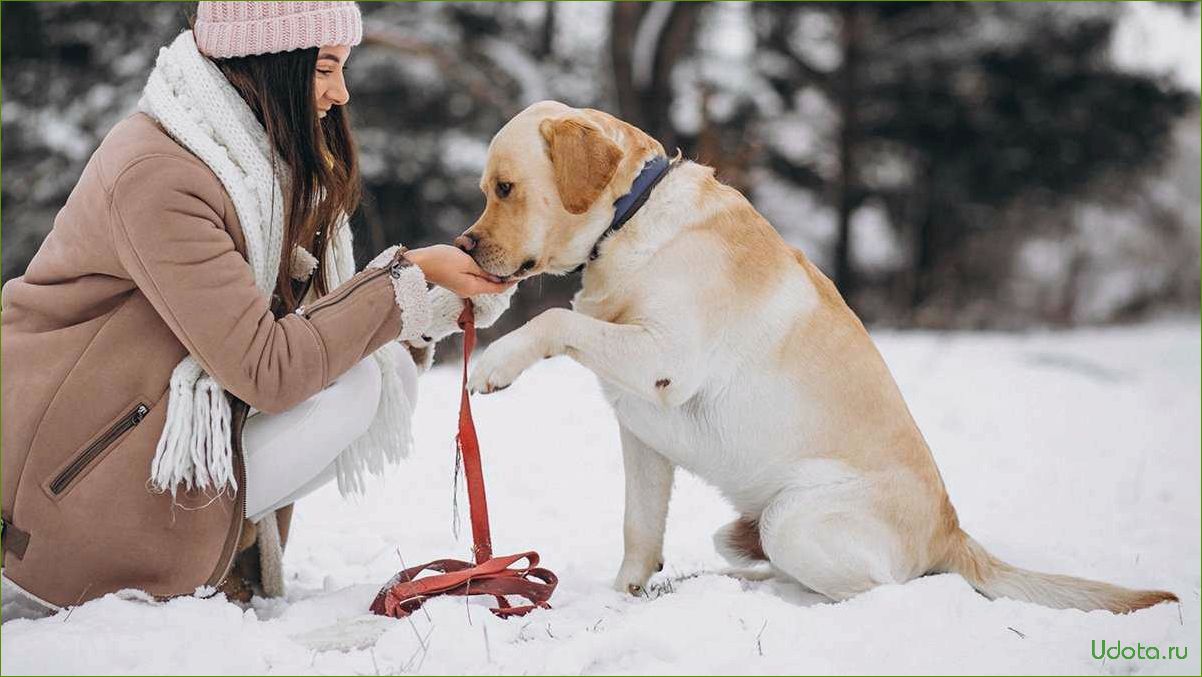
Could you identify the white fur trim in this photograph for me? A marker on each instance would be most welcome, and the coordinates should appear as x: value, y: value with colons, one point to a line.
x: 30, y: 598
x: 302, y: 265
x: 271, y: 555
x: 409, y: 287
x: 384, y: 258
x: 445, y: 308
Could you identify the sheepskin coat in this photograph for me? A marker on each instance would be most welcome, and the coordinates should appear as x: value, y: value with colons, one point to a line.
x: 146, y: 264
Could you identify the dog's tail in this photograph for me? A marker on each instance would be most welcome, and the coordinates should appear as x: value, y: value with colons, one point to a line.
x: 995, y: 578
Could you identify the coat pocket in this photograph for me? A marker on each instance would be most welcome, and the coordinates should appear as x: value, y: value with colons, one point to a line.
x: 85, y: 459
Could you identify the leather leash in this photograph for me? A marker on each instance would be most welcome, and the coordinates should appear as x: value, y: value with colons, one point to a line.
x: 495, y: 576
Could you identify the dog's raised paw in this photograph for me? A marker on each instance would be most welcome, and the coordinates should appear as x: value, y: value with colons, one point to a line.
x: 481, y: 385
x: 486, y: 379
x: 502, y: 363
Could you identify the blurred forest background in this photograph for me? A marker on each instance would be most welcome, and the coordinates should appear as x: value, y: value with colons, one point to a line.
x: 950, y: 165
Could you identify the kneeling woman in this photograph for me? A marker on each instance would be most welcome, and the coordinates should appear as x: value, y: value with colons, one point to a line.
x: 191, y: 346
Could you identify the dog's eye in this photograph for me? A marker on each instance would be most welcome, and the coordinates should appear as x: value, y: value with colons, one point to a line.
x: 503, y: 189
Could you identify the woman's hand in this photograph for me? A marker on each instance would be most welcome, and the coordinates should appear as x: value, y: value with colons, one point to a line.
x: 453, y: 269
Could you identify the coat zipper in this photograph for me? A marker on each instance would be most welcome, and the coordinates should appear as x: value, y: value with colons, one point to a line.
x: 393, y: 270
x: 94, y: 449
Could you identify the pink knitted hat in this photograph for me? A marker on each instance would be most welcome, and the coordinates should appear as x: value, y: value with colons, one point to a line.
x: 229, y: 29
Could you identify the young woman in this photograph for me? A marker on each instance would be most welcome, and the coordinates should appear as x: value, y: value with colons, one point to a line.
x: 191, y: 346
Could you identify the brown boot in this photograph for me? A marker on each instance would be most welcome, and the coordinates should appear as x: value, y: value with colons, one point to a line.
x: 243, y: 578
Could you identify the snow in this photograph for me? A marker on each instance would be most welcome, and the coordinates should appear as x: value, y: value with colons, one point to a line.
x: 875, y: 248
x: 1161, y: 40
x: 525, y: 70
x: 1073, y: 452
x: 728, y: 31
x: 816, y: 40
x: 803, y: 220
x: 464, y: 154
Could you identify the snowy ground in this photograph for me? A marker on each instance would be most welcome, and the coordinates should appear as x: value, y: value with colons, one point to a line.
x: 1068, y: 452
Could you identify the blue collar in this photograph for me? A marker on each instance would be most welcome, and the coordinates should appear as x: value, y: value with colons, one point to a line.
x: 625, y: 207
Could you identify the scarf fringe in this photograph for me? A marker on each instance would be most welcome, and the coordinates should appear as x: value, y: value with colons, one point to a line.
x: 194, y: 449
x: 388, y: 439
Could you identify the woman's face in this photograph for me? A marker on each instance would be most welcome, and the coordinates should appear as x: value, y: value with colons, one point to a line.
x: 328, y: 84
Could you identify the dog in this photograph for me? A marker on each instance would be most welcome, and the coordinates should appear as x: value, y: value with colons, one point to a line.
x: 726, y: 352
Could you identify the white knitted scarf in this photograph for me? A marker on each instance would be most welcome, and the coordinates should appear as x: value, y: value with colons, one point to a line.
x: 198, y: 107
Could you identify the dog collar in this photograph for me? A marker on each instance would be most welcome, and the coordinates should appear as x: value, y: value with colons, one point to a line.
x: 625, y: 207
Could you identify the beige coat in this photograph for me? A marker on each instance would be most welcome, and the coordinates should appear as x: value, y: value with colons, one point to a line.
x: 146, y: 263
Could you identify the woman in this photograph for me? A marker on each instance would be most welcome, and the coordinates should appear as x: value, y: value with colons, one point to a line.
x: 191, y: 345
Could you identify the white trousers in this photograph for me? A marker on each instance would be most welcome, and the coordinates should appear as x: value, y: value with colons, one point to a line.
x: 292, y: 453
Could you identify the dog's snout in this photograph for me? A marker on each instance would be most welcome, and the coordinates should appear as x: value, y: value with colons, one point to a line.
x: 466, y: 242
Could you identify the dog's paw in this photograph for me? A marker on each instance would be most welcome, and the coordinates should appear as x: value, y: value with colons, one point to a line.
x: 502, y: 363
x: 633, y: 576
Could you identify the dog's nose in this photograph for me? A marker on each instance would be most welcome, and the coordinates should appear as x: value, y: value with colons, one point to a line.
x: 466, y: 242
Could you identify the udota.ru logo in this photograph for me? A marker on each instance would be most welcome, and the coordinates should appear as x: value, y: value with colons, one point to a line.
x: 1114, y: 652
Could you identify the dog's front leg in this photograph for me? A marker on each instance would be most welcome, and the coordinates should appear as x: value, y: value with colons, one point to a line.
x: 648, y: 488
x: 507, y: 357
x: 659, y: 365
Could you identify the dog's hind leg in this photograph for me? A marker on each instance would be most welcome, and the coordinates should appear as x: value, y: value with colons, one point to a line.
x: 648, y: 488
x: 826, y: 535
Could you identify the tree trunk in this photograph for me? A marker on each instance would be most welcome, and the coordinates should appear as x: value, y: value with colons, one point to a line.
x: 658, y: 34
x: 676, y: 39
x: 546, y: 42
x: 924, y: 241
x: 848, y: 139
x: 623, y: 24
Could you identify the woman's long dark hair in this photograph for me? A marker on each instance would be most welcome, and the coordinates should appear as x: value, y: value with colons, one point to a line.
x: 317, y: 164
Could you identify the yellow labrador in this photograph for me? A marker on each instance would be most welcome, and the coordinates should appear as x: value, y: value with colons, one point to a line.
x: 726, y: 352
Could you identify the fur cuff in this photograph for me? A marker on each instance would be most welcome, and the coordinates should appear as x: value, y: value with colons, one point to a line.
x: 445, y: 308
x: 385, y: 257
x: 409, y: 286
x: 271, y: 556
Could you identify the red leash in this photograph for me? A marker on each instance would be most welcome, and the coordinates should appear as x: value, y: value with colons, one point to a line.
x: 405, y: 592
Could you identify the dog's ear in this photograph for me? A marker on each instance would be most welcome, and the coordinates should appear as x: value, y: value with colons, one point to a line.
x: 582, y: 158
